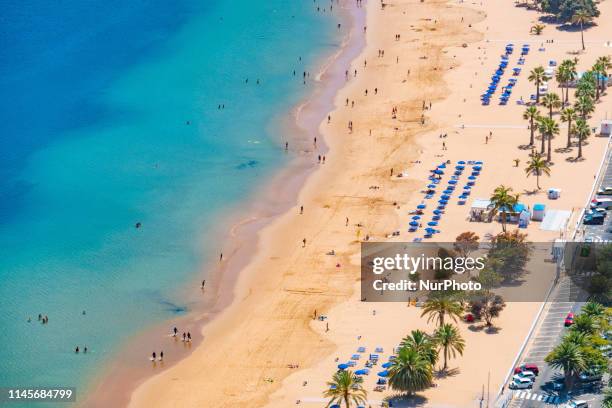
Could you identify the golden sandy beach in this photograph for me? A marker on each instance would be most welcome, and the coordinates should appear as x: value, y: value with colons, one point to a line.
x: 445, y: 55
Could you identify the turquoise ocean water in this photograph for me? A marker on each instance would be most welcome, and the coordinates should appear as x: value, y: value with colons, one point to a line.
x: 109, y: 116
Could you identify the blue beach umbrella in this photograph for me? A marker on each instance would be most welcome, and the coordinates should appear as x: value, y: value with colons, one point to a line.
x: 421, y: 206
x: 445, y: 196
x: 467, y: 187
x: 437, y: 212
x: 363, y: 371
x: 432, y: 223
x: 387, y: 364
x: 438, y: 171
x: 461, y: 162
x: 435, y: 218
x: 472, y: 178
x: 342, y: 366
x: 416, y: 217
x: 413, y: 224
x: 383, y: 373
x: 452, y: 182
x: 441, y: 207
x: 443, y: 201
x: 431, y: 186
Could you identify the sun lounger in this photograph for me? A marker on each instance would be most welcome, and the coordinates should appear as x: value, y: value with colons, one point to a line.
x: 355, y: 357
x: 361, y: 349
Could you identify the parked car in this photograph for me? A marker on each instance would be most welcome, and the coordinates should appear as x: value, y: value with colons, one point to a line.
x: 593, y: 219
x: 605, y: 203
x: 469, y: 318
x: 590, y: 377
x: 577, y: 404
x: 569, y: 320
x: 605, y: 191
x: 558, y: 385
x: 521, y: 384
x: 527, y: 367
x: 530, y: 375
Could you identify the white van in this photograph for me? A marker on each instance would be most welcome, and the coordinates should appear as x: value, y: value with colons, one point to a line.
x: 577, y: 404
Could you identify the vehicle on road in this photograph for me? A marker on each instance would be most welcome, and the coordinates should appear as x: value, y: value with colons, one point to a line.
x: 577, y: 404
x: 530, y: 375
x: 569, y: 320
x: 520, y: 384
x: 527, y: 367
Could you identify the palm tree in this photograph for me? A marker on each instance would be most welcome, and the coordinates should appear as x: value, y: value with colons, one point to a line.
x: 601, y: 67
x: 502, y: 199
x: 568, y: 357
x: 569, y: 115
x: 549, y: 129
x: 584, y: 323
x: 582, y: 132
x: 537, y: 166
x: 607, y: 401
x: 551, y: 101
x: 537, y: 29
x: 565, y: 74
x: 537, y: 76
x: 423, y: 344
x: 584, y: 104
x: 410, y: 372
x: 439, y: 306
x: 581, y: 17
x: 531, y: 114
x: 587, y: 85
x: 594, y: 309
x: 449, y: 340
x: 346, y: 387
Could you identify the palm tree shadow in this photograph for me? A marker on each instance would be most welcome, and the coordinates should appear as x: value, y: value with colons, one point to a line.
x: 563, y: 150
x: 441, y: 374
x: 403, y: 400
x: 531, y: 192
x: 574, y: 159
x: 525, y: 147
x: 492, y: 330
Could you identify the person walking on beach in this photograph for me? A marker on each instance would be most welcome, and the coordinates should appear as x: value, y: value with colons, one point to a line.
x: 188, y: 336
x: 221, y: 257
x: 304, y: 243
x: 347, y: 222
x: 85, y: 350
x: 301, y: 209
x: 76, y: 350
x: 175, y: 330
x: 161, y: 355
x: 153, y: 356
x: 202, y: 287
x: 184, y: 336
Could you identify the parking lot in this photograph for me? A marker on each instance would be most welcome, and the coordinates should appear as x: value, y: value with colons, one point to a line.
x: 601, y: 233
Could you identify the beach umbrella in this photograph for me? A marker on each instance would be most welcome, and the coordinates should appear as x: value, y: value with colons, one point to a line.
x: 470, y: 183
x: 431, y: 186
x: 452, y: 182
x: 442, y: 166
x: 446, y: 192
x: 445, y: 197
x: 416, y: 217
x: 472, y: 178
x: 438, y: 171
x: 363, y: 371
x: 461, y: 162
x: 441, y: 207
x: 343, y: 366
x: 466, y: 187
x: 437, y: 212
x: 387, y: 364
x: 335, y: 406
x: 413, y: 224
x: 435, y: 218
x: 421, y: 206
x: 383, y: 373
x: 432, y: 223
x: 478, y: 162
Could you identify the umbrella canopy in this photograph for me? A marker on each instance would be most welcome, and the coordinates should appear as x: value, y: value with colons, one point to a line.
x: 431, y: 186
x: 437, y: 212
x: 438, y: 171
x: 421, y: 206
x: 443, y: 201
x: 461, y: 162
x: 445, y: 196
x: 343, y: 366
x: 387, y: 364
x: 383, y: 373
x: 453, y: 182
x: 416, y: 217
x: 467, y: 187
x: 472, y: 178
x: 363, y: 371
x: 413, y: 224
x: 432, y: 223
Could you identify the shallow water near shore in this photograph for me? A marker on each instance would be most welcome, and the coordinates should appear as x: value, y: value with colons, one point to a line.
x: 109, y: 122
